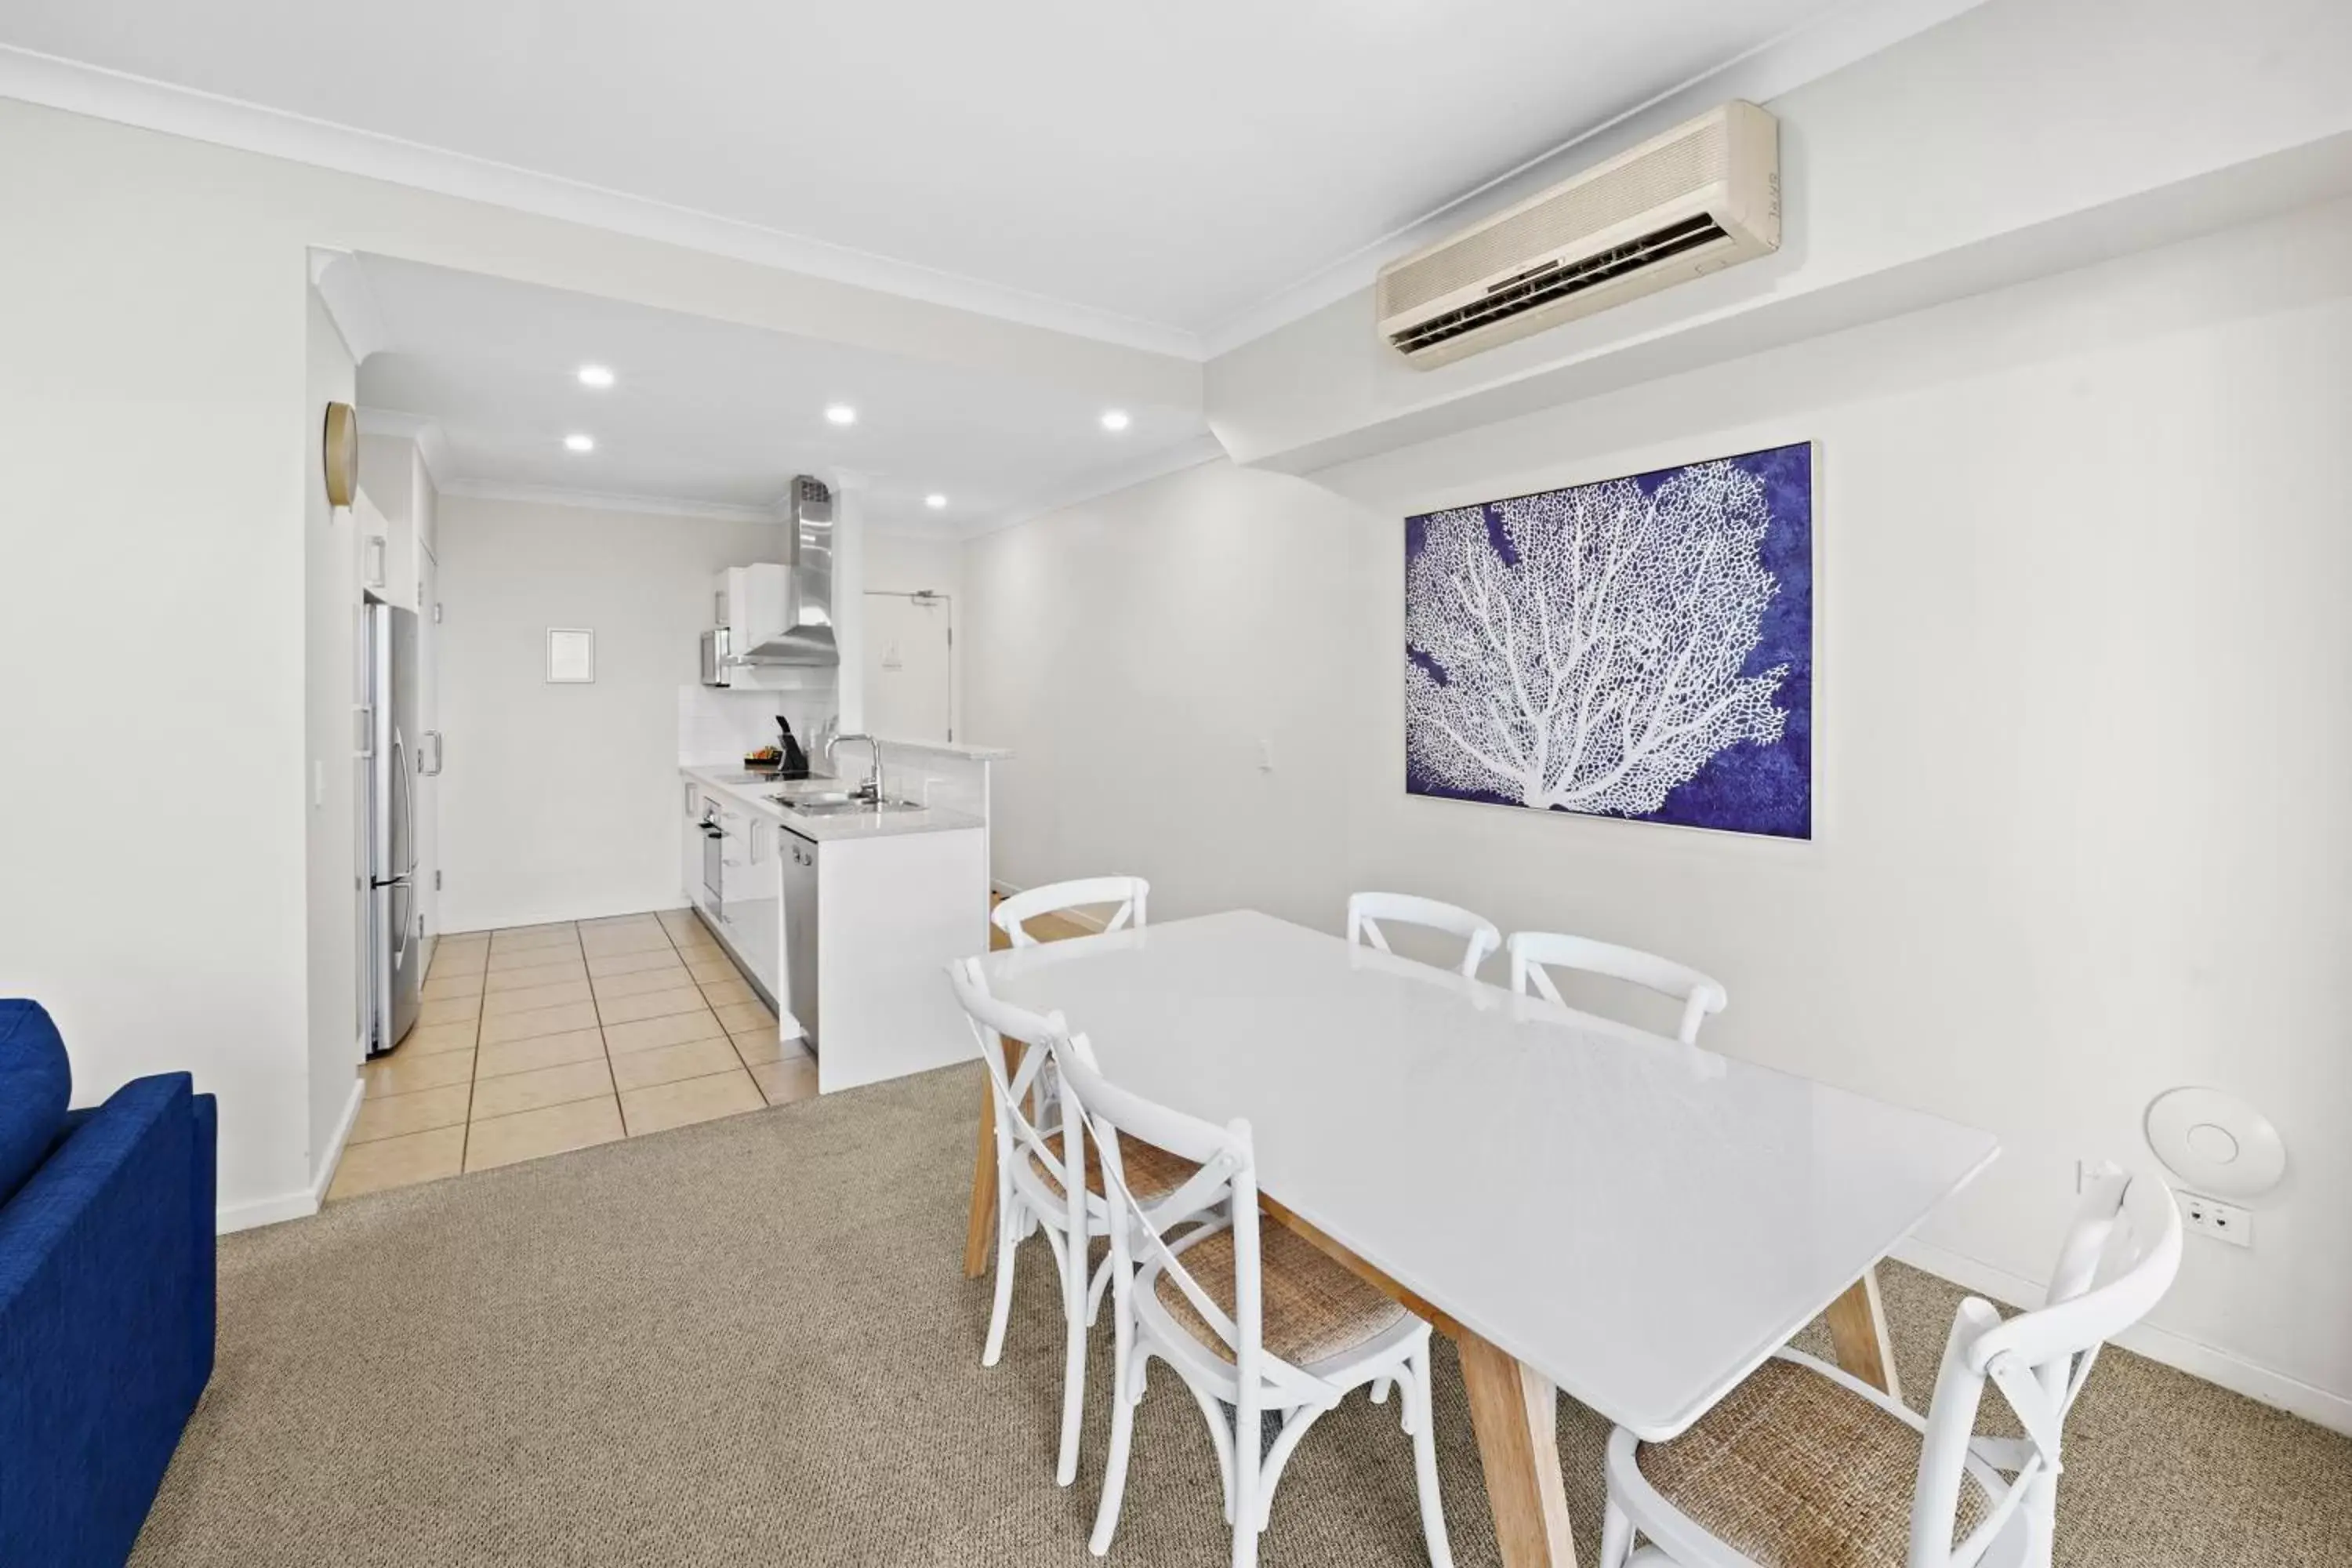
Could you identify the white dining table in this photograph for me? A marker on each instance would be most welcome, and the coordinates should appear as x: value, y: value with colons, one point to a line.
x: 1581, y: 1205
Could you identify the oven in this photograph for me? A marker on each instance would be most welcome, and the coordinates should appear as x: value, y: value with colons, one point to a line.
x: 714, y: 862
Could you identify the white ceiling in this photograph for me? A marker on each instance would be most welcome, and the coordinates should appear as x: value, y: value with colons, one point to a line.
x: 1173, y: 167
x: 714, y: 413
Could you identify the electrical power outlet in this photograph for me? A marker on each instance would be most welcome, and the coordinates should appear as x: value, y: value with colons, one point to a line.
x: 2222, y: 1222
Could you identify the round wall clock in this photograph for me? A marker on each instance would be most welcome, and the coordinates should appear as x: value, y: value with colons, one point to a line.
x: 342, y: 453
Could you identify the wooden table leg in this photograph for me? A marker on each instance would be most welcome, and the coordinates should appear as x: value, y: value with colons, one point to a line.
x: 976, y: 1236
x: 1516, y: 1414
x: 979, y: 1231
x: 1858, y: 1328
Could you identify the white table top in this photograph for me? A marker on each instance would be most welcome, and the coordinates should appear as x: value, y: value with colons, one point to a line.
x: 1641, y: 1221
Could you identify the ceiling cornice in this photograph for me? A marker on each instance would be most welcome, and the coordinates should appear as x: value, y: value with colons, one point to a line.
x: 596, y: 500
x: 432, y: 446
x: 1853, y: 32
x: 351, y: 304
x: 152, y: 105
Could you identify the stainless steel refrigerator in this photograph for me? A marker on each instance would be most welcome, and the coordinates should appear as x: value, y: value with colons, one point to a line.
x: 395, y: 928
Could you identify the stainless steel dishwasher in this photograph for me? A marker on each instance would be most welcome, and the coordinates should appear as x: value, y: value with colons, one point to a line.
x: 799, y: 856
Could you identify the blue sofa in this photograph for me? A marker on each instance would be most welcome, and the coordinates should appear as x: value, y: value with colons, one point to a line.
x: 106, y: 1297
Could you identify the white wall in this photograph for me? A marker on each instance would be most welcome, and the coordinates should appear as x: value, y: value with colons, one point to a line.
x: 561, y: 802
x: 1136, y: 652
x: 332, y: 686
x: 154, y: 892
x: 2081, y: 760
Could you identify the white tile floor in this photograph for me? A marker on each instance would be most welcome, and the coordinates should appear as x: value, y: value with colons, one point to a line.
x: 539, y: 1039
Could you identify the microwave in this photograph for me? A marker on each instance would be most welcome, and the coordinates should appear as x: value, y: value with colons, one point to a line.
x: 715, y: 654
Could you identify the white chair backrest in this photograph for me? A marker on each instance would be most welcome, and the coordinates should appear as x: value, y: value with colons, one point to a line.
x: 1014, y: 1087
x: 1130, y: 894
x: 1531, y: 950
x: 1228, y: 1176
x: 1366, y: 909
x: 2120, y: 1255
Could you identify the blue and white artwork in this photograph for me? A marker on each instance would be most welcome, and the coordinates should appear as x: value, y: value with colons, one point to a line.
x: 1639, y: 647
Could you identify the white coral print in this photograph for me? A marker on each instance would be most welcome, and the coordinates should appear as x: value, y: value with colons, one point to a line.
x: 1600, y: 667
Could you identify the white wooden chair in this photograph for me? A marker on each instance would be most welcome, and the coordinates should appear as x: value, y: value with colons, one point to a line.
x: 1036, y: 1147
x: 1804, y: 1465
x: 1530, y: 950
x: 1365, y: 909
x: 1128, y: 893
x: 1249, y: 1320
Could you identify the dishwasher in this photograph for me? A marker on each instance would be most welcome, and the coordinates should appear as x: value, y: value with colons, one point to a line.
x: 798, y: 855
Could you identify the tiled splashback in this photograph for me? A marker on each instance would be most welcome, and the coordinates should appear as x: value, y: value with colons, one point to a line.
x: 954, y: 783
x: 717, y: 726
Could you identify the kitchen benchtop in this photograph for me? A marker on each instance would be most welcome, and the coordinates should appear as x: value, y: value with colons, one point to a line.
x: 826, y: 828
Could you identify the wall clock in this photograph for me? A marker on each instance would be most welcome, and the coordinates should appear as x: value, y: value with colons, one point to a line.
x: 341, y: 453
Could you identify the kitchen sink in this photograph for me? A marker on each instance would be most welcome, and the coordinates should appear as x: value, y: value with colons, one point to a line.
x: 803, y: 799
x: 845, y: 807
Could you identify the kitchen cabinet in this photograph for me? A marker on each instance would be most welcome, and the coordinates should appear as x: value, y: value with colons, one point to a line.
x: 690, y: 863
x: 755, y: 896
x: 385, y: 512
x: 751, y: 605
x: 847, y: 921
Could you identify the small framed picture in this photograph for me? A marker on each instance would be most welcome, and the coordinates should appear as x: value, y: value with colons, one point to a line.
x: 571, y: 655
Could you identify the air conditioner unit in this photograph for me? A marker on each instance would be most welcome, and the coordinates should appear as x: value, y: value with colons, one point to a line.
x: 1694, y: 201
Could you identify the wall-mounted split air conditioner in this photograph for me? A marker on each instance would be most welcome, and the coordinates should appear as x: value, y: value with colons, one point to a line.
x: 1699, y: 198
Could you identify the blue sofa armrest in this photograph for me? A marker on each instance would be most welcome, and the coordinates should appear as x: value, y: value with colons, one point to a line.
x: 203, y: 1224
x: 104, y: 1296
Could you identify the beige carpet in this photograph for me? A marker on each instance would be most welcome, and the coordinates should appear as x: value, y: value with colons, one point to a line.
x: 749, y: 1342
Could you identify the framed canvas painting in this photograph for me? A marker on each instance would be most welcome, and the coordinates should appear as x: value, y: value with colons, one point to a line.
x: 1638, y: 647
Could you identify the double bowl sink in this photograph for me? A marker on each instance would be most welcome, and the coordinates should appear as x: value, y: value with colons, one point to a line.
x: 825, y: 797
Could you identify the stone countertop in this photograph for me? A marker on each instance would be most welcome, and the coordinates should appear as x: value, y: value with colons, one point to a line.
x: 825, y: 828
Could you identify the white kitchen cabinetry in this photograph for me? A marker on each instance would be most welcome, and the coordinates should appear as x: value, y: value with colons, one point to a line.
x: 754, y: 604
x: 848, y: 921
x: 689, y: 864
x: 732, y: 821
x: 755, y: 898
x: 385, y: 514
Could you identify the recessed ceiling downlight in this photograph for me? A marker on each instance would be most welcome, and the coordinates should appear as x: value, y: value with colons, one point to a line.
x: 1115, y: 419
x: 579, y: 443
x: 841, y: 414
x: 595, y: 375
x: 934, y: 501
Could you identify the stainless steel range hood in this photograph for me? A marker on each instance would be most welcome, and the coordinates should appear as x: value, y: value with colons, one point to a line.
x: 806, y: 637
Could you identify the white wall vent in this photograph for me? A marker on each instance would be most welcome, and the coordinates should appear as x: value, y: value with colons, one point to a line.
x: 1693, y: 201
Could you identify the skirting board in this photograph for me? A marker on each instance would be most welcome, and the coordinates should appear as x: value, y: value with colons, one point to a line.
x: 302, y: 1203
x: 1075, y: 917
x: 2318, y: 1406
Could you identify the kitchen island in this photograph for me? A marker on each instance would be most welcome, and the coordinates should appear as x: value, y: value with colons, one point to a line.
x: 844, y: 917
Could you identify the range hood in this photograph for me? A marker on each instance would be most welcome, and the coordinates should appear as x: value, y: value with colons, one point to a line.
x: 805, y: 636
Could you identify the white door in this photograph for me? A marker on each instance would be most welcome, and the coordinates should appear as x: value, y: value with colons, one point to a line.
x: 910, y: 667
